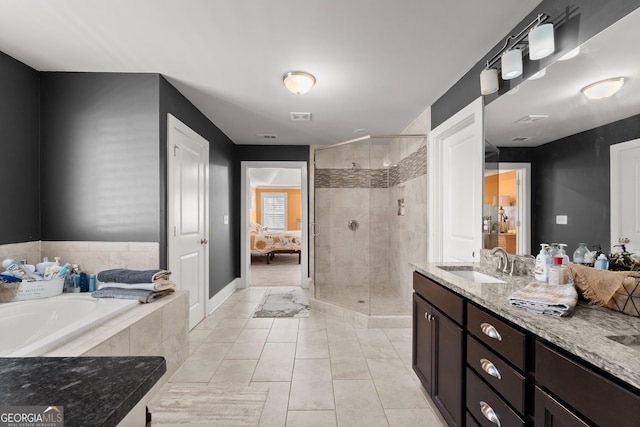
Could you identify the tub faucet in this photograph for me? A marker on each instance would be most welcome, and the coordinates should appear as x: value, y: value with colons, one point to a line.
x: 503, y: 260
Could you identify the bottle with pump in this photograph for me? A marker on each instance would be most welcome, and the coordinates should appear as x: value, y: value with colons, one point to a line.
x: 541, y: 271
x: 579, y: 256
x: 563, y: 253
x: 602, y: 263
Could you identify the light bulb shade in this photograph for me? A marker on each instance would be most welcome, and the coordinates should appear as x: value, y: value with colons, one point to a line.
x: 540, y: 74
x: 541, y: 41
x: 298, y: 82
x: 504, y: 201
x: 571, y: 54
x: 511, y: 64
x: 603, y: 89
x: 489, y: 81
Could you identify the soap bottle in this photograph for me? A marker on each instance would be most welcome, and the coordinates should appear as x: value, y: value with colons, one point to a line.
x: 541, y: 271
x: 83, y: 280
x: 602, y: 263
x: 563, y: 253
x: 580, y: 254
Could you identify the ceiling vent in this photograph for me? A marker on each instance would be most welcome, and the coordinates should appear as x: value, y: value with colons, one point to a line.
x: 531, y: 118
x: 300, y: 117
x: 521, y: 138
x: 266, y: 136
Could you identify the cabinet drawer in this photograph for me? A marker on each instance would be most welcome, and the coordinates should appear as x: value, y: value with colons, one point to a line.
x: 549, y: 412
x: 497, y: 373
x: 488, y: 408
x: 470, y: 421
x: 594, y: 396
x: 502, y: 338
x: 443, y: 299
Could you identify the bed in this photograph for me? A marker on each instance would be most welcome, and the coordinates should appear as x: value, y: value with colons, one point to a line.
x: 272, y: 242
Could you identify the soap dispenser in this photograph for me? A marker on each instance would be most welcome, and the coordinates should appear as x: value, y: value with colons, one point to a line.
x: 541, y: 271
x: 562, y: 252
x: 602, y: 263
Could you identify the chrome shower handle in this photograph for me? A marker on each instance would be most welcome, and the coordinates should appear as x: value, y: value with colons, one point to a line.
x: 316, y: 229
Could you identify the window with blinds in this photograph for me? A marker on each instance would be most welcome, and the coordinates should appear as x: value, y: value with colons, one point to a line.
x: 274, y: 211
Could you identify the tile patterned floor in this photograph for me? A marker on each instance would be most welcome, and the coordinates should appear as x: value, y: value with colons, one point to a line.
x: 319, y: 371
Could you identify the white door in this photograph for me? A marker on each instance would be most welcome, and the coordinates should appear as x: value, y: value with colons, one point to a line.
x: 188, y: 234
x: 455, y: 173
x: 625, y: 195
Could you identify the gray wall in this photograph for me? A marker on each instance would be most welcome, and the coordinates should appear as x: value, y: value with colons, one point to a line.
x: 19, y: 144
x: 224, y: 260
x: 100, y: 177
x: 576, y: 21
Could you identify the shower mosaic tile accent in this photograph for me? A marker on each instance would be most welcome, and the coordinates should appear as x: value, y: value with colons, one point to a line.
x: 408, y: 168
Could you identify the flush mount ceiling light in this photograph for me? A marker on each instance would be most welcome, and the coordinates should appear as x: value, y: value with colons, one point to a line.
x: 298, y: 82
x: 603, y: 88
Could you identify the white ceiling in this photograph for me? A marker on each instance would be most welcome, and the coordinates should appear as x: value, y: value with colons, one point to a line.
x: 378, y: 64
x: 610, y: 54
x: 275, y: 177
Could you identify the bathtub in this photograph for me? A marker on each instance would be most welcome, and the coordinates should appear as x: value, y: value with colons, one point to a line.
x: 31, y: 328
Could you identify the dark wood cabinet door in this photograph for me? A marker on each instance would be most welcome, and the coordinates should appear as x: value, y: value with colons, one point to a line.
x: 423, y: 338
x: 449, y: 361
x: 550, y: 413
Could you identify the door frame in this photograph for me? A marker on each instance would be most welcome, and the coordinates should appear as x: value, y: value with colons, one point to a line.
x: 614, y: 202
x: 471, y: 115
x: 523, y: 204
x: 174, y: 122
x: 245, y: 202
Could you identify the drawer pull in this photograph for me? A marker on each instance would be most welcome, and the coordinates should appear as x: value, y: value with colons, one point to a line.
x: 489, y: 330
x: 490, y: 368
x: 428, y: 317
x: 489, y: 413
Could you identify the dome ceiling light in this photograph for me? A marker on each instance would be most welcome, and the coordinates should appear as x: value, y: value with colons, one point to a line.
x: 603, y: 89
x: 298, y: 82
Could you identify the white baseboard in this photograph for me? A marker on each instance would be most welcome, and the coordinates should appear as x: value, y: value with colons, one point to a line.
x: 222, y: 295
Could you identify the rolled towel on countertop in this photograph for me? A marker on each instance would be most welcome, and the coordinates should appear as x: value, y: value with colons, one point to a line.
x: 160, y: 285
x: 123, y: 275
x: 144, y: 296
x: 543, y: 298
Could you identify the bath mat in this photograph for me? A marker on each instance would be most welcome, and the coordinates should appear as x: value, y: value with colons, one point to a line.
x: 202, y: 405
x: 285, y: 303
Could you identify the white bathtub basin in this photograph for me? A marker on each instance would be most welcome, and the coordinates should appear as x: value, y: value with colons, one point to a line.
x: 31, y: 328
x: 475, y: 276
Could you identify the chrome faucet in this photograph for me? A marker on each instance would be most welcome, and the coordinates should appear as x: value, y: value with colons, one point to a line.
x: 503, y: 260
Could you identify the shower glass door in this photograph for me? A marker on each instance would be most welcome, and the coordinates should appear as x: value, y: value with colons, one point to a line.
x: 345, y: 209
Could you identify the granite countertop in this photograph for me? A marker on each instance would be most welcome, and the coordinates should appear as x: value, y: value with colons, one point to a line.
x: 94, y: 391
x: 584, y: 333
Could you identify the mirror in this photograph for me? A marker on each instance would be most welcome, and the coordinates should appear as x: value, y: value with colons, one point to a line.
x: 565, y: 137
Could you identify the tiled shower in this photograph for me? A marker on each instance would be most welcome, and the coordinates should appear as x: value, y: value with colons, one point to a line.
x: 369, y: 222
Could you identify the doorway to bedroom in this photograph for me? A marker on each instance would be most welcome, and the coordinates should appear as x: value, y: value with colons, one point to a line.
x: 274, y: 224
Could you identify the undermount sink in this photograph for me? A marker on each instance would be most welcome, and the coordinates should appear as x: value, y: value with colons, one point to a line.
x: 475, y: 276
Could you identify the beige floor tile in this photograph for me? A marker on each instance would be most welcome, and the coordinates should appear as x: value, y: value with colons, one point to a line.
x: 276, y: 362
x: 208, y: 323
x: 223, y: 335
x: 342, y: 350
x: 234, y: 373
x: 311, y: 387
x: 197, y: 337
x: 259, y: 323
x: 245, y: 351
x: 312, y: 344
x: 399, y: 334
x: 354, y: 368
x: 314, y: 321
x: 274, y: 413
x: 283, y: 335
x: 211, y: 350
x: 375, y: 344
x: 395, y: 386
x: 311, y: 419
x: 357, y: 404
x: 413, y: 418
x: 231, y: 323
x: 196, y: 371
x: 346, y: 334
x: 252, y: 336
x: 286, y: 323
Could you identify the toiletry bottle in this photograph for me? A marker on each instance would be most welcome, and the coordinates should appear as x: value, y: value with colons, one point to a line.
x: 63, y: 271
x: 541, y: 271
x: 92, y: 283
x: 559, y: 274
x: 72, y: 281
x: 83, y: 280
x: 563, y: 252
x: 602, y: 263
x: 580, y: 254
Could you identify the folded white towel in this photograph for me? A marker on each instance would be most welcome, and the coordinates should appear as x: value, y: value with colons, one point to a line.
x: 161, y: 285
x: 543, y: 298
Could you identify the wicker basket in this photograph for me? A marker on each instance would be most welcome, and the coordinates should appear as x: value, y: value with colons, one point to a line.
x: 22, y: 291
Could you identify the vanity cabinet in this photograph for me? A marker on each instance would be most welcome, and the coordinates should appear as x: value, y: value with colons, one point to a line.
x: 438, y: 344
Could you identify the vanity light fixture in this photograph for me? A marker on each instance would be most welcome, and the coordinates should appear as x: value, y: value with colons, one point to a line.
x: 540, y: 43
x: 299, y: 82
x: 603, y: 88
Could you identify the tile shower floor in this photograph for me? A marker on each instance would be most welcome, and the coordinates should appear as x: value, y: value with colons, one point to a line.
x: 319, y: 371
x: 364, y: 299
